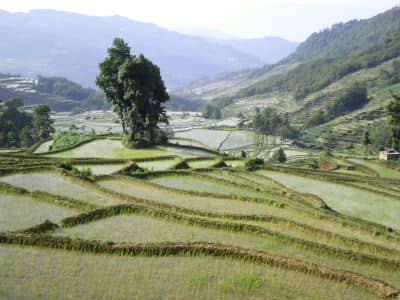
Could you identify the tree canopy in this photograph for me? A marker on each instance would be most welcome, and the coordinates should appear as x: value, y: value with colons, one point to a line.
x: 393, y: 110
x: 22, y: 129
x: 269, y: 122
x: 134, y: 88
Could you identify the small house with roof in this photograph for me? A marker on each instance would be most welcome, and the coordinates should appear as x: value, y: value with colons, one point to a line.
x: 389, y: 155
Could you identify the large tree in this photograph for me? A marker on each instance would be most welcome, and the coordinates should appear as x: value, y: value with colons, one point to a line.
x: 134, y: 88
x: 42, y: 124
x: 393, y: 110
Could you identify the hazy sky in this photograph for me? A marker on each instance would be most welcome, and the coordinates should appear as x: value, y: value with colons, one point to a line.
x: 292, y: 19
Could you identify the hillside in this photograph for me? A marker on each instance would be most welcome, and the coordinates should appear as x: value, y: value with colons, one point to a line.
x: 58, y: 46
x: 63, y: 95
x: 58, y: 93
x: 323, y: 68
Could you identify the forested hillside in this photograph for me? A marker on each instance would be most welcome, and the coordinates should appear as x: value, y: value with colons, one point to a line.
x: 348, y: 38
x: 323, y: 75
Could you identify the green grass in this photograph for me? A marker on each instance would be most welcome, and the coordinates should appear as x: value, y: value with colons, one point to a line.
x: 28, y: 273
x: 379, y: 168
x: 105, y: 169
x: 22, y: 212
x: 140, y: 189
x: 347, y: 200
x: 204, y: 185
x: 57, y: 185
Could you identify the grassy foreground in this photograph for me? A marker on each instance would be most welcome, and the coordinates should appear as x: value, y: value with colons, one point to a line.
x: 213, y: 231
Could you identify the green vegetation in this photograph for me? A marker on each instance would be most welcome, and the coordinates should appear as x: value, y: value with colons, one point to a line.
x: 269, y: 122
x: 279, y: 156
x: 211, y: 112
x: 347, y: 101
x: 67, y: 139
x: 134, y: 88
x: 394, y: 113
x: 22, y: 129
x: 143, y: 229
x: 29, y: 272
x: 163, y: 212
x: 317, y: 74
x: 251, y: 213
x: 89, y: 99
x: 253, y: 163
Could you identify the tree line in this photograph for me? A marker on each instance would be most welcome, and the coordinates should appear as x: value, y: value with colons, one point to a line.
x: 269, y: 122
x: 347, y: 100
x: 19, y: 128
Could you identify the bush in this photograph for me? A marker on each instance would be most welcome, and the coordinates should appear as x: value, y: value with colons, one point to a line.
x: 253, y: 163
x: 66, y: 165
x: 182, y: 165
x: 279, y: 156
x: 220, y: 164
x: 84, y: 173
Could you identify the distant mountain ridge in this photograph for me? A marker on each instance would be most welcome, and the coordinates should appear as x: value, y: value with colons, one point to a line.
x: 70, y: 45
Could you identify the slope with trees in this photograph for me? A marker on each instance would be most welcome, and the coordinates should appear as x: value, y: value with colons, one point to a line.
x: 22, y: 129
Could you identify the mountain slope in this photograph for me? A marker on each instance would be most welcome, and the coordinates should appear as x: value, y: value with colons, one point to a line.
x: 70, y: 45
x: 325, y: 66
x: 348, y: 38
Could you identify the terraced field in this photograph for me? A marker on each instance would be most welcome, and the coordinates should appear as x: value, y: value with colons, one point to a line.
x: 19, y: 212
x: 347, y: 200
x: 58, y: 185
x: 102, y: 169
x: 207, y: 232
x: 375, y: 166
x: 210, y: 138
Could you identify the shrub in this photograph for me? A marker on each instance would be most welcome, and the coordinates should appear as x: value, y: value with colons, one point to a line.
x: 182, y: 165
x: 85, y: 173
x: 279, y: 156
x: 66, y: 165
x: 220, y: 164
x: 253, y: 162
